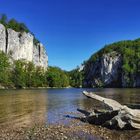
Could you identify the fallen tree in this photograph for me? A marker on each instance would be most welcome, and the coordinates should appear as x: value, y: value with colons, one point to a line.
x: 117, y: 117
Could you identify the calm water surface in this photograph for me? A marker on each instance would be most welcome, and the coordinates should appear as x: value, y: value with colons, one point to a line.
x: 26, y: 107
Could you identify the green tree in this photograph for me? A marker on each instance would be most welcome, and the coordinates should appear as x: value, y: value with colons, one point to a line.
x: 39, y: 77
x: 76, y: 78
x: 56, y: 77
x: 30, y: 74
x: 3, y: 19
x: 4, y: 70
x: 13, y: 24
x: 23, y: 28
x: 130, y: 53
x: 19, y: 74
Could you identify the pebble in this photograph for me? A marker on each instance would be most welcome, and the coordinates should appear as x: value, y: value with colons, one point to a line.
x: 81, y: 131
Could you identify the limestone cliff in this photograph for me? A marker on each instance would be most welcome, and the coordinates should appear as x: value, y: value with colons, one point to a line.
x: 2, y: 38
x: 21, y: 46
x: 39, y: 55
x: 115, y: 65
x: 110, y: 67
x: 105, y: 71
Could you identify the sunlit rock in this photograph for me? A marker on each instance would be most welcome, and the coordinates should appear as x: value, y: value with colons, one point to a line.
x: 21, y: 46
x: 2, y: 38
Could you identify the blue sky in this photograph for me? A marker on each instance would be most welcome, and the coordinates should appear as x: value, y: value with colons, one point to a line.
x: 72, y: 30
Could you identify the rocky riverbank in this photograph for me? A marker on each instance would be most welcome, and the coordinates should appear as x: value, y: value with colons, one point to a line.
x: 74, y: 130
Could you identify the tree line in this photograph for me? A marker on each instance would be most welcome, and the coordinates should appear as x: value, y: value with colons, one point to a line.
x: 22, y: 74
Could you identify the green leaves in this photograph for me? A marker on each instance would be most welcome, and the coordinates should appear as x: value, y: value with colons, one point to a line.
x: 130, y: 52
x: 3, y: 19
x: 19, y: 74
x: 24, y: 74
x: 13, y: 24
x: 76, y: 78
x: 57, y: 77
x: 4, y: 69
x: 19, y: 27
x: 16, y: 26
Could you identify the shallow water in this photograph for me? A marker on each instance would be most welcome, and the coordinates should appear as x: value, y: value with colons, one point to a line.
x: 50, y: 105
x: 27, y: 107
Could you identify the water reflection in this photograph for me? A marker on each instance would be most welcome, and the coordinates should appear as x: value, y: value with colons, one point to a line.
x: 26, y: 107
x: 22, y: 107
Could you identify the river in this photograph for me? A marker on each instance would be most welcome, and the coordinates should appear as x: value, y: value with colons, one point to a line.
x: 50, y: 106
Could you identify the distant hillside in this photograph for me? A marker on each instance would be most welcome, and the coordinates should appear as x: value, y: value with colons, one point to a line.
x: 116, y: 65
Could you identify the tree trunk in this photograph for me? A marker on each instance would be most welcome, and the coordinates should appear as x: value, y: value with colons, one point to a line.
x: 118, y: 117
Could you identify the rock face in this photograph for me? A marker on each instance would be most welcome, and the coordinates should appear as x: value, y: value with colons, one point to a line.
x: 134, y: 78
x: 39, y: 57
x: 21, y: 46
x: 110, y: 66
x: 105, y: 71
x: 137, y: 83
x: 2, y: 38
x: 12, y: 47
x: 26, y: 46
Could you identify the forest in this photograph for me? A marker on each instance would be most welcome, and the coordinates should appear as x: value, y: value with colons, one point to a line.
x: 24, y: 74
x: 130, y: 54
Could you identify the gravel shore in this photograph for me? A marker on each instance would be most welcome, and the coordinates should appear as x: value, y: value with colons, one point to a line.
x: 75, y: 130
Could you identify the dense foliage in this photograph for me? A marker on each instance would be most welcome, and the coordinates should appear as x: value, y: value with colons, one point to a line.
x: 57, y: 78
x: 25, y: 74
x: 22, y: 74
x: 130, y: 52
x: 5, y: 74
x: 15, y: 25
x: 76, y: 78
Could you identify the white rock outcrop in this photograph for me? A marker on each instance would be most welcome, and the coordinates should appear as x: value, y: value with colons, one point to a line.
x: 39, y: 57
x: 110, y: 64
x: 2, y: 38
x: 105, y: 71
x: 12, y: 44
x: 21, y: 46
x: 26, y: 46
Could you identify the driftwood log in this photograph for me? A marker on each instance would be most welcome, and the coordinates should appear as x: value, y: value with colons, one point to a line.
x: 118, y: 117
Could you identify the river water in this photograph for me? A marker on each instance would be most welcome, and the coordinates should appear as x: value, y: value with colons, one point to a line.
x: 26, y: 107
